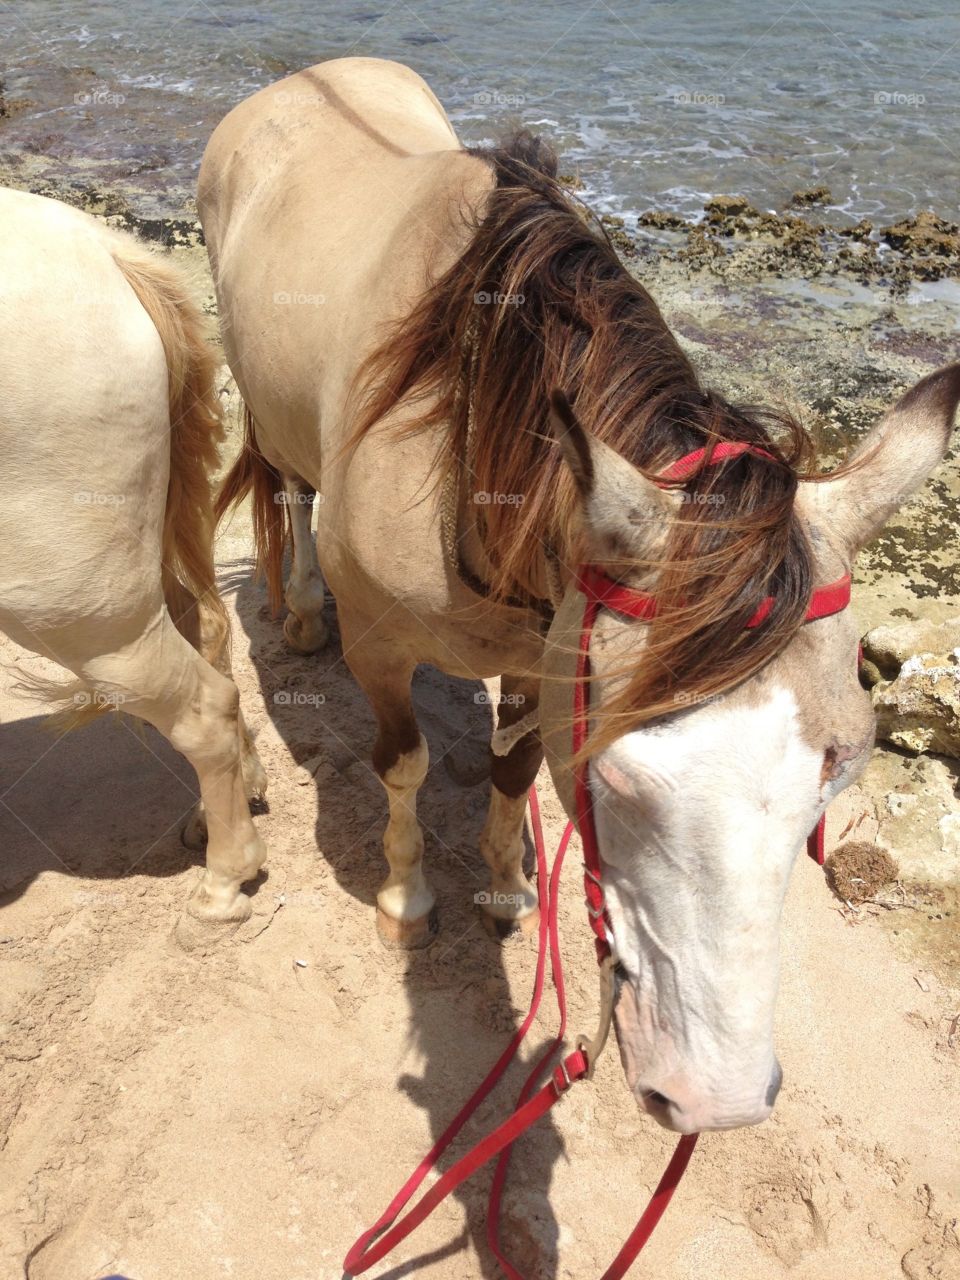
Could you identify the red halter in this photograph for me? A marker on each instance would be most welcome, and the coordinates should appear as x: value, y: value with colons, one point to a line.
x: 600, y: 592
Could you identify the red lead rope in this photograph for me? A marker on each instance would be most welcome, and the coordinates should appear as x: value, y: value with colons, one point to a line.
x: 391, y: 1228
x: 388, y: 1231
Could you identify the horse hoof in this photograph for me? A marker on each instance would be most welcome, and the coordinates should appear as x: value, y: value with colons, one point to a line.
x: 219, y: 904
x: 407, y: 935
x: 303, y: 637
x: 502, y: 927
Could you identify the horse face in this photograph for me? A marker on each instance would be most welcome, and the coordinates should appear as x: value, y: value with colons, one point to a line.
x: 700, y: 815
x: 699, y: 820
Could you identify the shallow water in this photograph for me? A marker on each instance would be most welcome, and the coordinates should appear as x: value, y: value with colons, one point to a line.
x: 660, y: 105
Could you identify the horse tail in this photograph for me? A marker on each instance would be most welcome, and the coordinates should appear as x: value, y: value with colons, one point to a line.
x: 196, y: 433
x: 187, y: 572
x: 252, y: 473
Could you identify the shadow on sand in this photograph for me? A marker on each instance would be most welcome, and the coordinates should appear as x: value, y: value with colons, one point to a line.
x: 459, y: 1001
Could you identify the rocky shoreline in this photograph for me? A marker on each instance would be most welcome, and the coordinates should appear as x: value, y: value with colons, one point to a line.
x: 733, y: 236
x: 732, y: 239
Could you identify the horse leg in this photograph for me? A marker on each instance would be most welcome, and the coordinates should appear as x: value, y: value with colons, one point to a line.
x: 215, y: 648
x: 405, y: 902
x: 512, y: 901
x: 303, y: 626
x: 162, y: 679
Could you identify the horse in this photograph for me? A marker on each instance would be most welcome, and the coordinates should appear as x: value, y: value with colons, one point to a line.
x: 109, y: 413
x: 398, y: 311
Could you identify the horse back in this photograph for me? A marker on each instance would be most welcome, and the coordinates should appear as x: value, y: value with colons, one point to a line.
x: 329, y: 202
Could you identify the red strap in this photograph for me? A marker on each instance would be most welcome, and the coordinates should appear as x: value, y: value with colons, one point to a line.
x: 815, y: 840
x: 661, y: 1197
x: 631, y: 602
x: 583, y: 797
x: 369, y: 1249
x: 556, y: 969
x: 684, y: 467
x: 364, y: 1253
x: 675, y: 1169
x: 833, y: 598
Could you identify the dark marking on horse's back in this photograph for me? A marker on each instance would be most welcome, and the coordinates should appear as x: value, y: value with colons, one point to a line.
x: 348, y: 114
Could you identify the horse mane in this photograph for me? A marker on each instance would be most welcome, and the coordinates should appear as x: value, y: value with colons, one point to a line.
x: 539, y: 300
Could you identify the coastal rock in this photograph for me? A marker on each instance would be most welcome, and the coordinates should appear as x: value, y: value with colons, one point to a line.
x: 920, y: 710
x: 924, y: 236
x: 12, y: 106
x: 721, y: 207
x: 617, y: 234
x: 813, y: 195
x: 889, y: 647
x: 660, y: 220
x: 701, y: 249
x: 861, y: 230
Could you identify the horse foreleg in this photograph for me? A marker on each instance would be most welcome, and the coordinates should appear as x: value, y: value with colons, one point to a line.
x: 303, y: 626
x: 405, y: 902
x: 512, y: 900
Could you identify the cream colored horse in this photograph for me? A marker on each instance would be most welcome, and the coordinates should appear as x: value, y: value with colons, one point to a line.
x: 333, y: 202
x: 109, y: 427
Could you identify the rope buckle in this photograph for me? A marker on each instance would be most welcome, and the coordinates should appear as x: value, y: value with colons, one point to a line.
x: 592, y: 1048
x: 561, y: 1078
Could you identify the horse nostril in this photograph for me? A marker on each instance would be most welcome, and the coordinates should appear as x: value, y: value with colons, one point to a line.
x: 658, y: 1099
x: 773, y: 1088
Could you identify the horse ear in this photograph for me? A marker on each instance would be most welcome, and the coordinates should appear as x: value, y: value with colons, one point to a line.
x: 624, y: 513
x: 895, y: 459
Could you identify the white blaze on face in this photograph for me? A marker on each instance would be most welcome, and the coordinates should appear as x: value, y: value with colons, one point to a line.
x: 699, y: 820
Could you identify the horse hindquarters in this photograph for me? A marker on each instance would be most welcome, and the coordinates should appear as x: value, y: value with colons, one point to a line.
x: 195, y: 703
x: 134, y: 435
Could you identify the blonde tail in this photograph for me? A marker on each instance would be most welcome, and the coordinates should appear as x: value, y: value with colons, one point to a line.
x: 196, y: 433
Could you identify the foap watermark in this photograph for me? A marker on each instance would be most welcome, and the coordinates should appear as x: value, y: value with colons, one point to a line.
x: 92, y: 498
x: 702, y: 499
x: 102, y: 96
x: 484, y: 499
x: 687, y: 699
x: 494, y: 98
x: 292, y: 98
x: 494, y: 899
x: 97, y: 698
x: 898, y: 99
x: 297, y: 698
x: 697, y: 98
x: 298, y: 499
x: 487, y: 699
x: 298, y: 298
x: 486, y: 299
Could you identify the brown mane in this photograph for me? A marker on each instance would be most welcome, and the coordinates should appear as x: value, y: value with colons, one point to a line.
x: 577, y: 320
